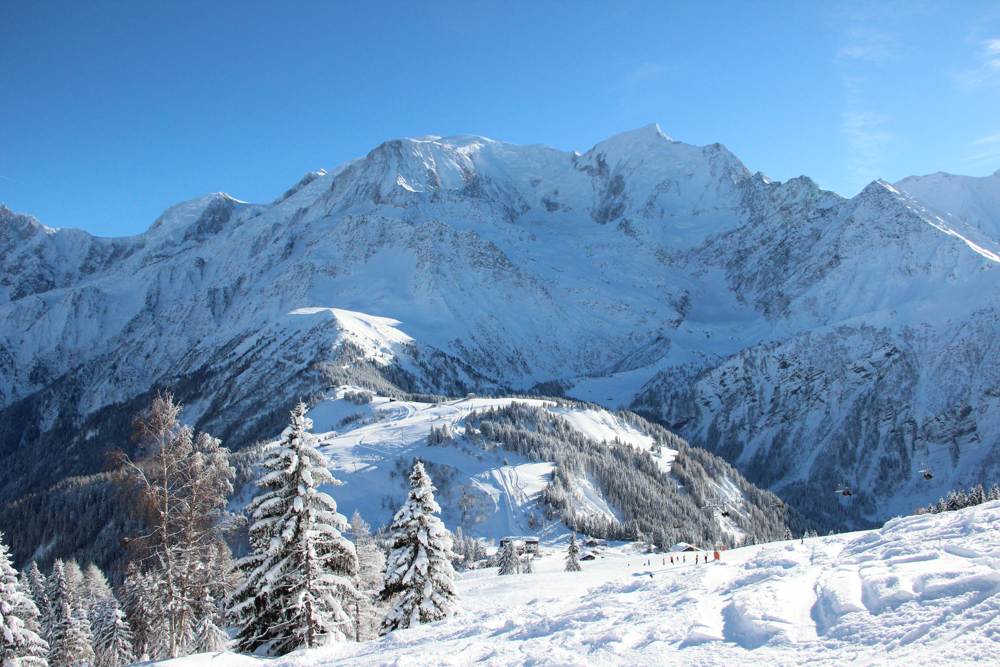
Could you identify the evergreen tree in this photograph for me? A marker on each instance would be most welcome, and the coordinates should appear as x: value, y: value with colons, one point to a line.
x: 300, y: 569
x: 69, y: 636
x: 74, y: 581
x: 113, y: 639
x: 209, y: 637
x: 573, y: 555
x: 368, y: 609
x: 37, y: 588
x: 208, y: 572
x: 20, y: 643
x: 458, y: 547
x: 526, y: 567
x: 135, y: 592
x: 419, y: 577
x: 95, y: 588
x: 977, y: 496
x: 507, y: 559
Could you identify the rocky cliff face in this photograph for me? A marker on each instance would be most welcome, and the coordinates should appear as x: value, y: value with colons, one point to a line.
x: 815, y: 341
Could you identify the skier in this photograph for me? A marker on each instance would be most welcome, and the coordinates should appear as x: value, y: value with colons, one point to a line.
x: 718, y: 556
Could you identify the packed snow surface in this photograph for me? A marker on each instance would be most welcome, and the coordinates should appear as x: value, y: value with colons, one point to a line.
x: 922, y: 589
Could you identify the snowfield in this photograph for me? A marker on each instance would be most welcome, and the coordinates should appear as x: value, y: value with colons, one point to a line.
x: 922, y: 589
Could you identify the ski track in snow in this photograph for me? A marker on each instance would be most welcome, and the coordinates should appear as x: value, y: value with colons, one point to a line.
x: 923, y: 589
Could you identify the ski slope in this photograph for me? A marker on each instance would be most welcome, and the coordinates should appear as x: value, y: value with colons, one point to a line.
x: 923, y: 589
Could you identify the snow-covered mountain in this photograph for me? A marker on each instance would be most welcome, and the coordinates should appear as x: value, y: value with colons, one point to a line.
x: 962, y: 200
x: 815, y: 341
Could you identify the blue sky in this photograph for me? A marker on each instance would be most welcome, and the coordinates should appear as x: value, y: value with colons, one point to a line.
x: 110, y: 112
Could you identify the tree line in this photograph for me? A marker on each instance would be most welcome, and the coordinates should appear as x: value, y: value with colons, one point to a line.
x: 960, y: 499
x: 655, y: 506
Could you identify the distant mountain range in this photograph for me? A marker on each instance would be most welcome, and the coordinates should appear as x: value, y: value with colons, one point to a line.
x: 818, y: 343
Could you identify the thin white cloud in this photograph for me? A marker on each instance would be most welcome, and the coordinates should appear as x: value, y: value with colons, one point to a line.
x: 633, y: 86
x: 641, y: 74
x: 987, y: 140
x: 863, y: 127
x: 986, y: 71
x: 867, y: 136
x: 867, y: 44
x: 985, y: 149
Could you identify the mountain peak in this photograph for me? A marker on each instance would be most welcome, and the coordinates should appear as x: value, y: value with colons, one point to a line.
x: 631, y: 140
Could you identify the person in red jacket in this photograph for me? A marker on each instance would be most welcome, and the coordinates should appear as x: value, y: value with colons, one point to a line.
x: 717, y: 556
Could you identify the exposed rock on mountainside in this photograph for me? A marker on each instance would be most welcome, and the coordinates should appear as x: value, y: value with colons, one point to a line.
x: 813, y: 340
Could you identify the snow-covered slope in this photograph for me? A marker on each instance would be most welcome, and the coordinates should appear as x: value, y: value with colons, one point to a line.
x: 814, y: 340
x: 491, y: 491
x: 921, y: 590
x: 962, y: 199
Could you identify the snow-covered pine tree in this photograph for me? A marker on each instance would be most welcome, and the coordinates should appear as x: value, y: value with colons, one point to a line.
x: 956, y: 500
x: 209, y: 637
x: 134, y: 604
x: 74, y: 580
x: 573, y: 555
x: 507, y: 559
x: 977, y: 495
x: 366, y: 608
x: 95, y: 588
x: 78, y: 596
x: 69, y: 635
x: 113, y: 639
x: 300, y: 569
x: 458, y: 547
x: 526, y: 567
x: 20, y: 643
x: 207, y: 576
x: 37, y: 588
x: 419, y: 577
